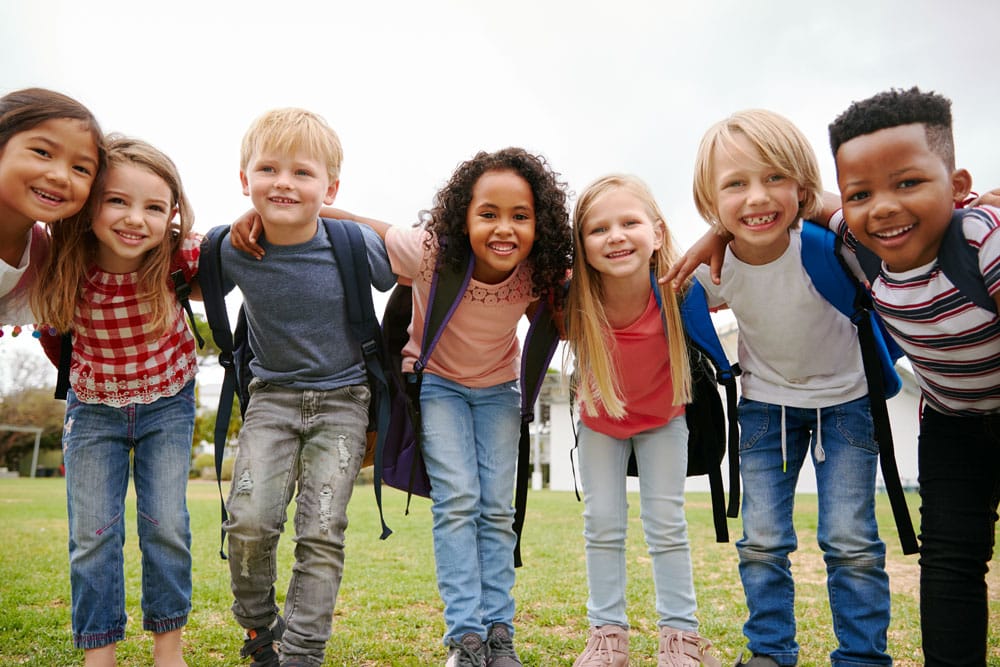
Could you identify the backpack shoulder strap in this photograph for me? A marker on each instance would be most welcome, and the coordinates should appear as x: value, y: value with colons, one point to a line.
x: 351, y: 254
x: 960, y: 263
x: 447, y: 288
x: 824, y: 264
x: 210, y: 281
x: 540, y: 345
x: 703, y: 337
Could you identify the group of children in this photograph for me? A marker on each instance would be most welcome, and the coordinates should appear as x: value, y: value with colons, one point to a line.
x: 106, y: 222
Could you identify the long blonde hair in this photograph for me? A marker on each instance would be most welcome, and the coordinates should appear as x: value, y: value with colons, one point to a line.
x: 74, y: 246
x: 588, y: 331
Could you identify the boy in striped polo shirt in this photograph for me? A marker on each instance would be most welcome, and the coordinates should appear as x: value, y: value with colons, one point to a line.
x: 895, y: 160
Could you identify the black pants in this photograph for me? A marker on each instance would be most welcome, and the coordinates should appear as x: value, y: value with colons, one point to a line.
x: 959, y: 475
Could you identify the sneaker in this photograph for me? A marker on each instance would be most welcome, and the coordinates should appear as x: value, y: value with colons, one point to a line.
x: 500, y: 648
x: 683, y: 648
x: 757, y: 661
x: 262, y: 644
x: 470, y: 651
x: 607, y: 647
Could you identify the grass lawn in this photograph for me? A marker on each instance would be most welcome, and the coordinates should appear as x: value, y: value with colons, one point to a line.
x: 389, y: 612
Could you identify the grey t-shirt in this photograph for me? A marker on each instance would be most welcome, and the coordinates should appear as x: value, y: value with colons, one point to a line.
x: 296, y: 314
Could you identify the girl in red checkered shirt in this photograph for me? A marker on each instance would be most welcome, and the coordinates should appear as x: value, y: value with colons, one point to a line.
x: 131, y: 397
x: 51, y: 150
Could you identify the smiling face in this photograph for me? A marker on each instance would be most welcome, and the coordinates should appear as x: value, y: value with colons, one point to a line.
x: 620, y: 237
x: 500, y: 222
x: 46, y: 172
x: 287, y: 191
x: 136, y: 207
x: 898, y: 194
x: 756, y: 202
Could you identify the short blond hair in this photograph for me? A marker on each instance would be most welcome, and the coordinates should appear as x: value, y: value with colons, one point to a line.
x: 290, y: 130
x: 779, y: 144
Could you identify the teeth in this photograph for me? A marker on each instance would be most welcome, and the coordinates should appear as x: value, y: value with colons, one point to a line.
x: 759, y: 219
x: 619, y: 253
x: 46, y: 195
x: 892, y: 233
x: 130, y: 237
x: 502, y: 247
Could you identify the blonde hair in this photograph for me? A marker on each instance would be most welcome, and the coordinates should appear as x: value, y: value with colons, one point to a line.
x: 74, y: 246
x: 780, y: 145
x: 289, y: 130
x: 588, y: 331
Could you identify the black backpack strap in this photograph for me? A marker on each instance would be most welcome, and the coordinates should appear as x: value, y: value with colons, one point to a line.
x: 352, y: 263
x: 183, y: 291
x: 65, y: 360
x: 960, y: 263
x: 210, y: 281
x: 539, y: 346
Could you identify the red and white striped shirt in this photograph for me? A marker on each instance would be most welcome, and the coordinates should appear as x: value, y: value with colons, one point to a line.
x: 114, y: 362
x: 952, y: 344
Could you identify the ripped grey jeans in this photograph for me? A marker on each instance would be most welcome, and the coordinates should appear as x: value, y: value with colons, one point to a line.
x: 313, y: 441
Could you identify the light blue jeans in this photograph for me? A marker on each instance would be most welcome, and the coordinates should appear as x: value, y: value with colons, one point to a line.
x: 98, y: 441
x: 847, y: 533
x: 313, y: 441
x: 470, y: 438
x: 661, y: 455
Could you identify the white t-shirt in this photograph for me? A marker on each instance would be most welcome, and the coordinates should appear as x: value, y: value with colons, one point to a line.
x: 15, y: 307
x: 795, y: 348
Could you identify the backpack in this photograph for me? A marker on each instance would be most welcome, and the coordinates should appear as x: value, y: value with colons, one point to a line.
x: 710, y: 427
x: 235, y: 353
x: 822, y: 260
x: 403, y: 467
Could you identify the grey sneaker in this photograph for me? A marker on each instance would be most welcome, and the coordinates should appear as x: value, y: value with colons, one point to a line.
x: 500, y: 648
x: 470, y: 651
x: 757, y: 661
x: 262, y: 644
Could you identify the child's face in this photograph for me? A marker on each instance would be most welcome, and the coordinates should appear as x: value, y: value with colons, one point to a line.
x: 288, y: 191
x: 136, y: 207
x: 501, y: 224
x: 898, y: 195
x: 756, y: 203
x: 46, y: 172
x: 619, y: 238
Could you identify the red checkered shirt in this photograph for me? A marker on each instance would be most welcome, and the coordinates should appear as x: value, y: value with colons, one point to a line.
x: 114, y: 362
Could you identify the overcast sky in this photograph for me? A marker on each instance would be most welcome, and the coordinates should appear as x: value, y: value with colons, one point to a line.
x: 414, y: 88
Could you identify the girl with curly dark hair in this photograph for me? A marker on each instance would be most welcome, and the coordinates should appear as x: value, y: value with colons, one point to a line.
x: 507, y: 210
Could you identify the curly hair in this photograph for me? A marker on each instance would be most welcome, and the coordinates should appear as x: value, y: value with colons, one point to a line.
x: 894, y: 108
x: 552, y: 250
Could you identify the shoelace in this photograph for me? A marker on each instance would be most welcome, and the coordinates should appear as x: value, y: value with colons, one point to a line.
x: 683, y: 649
x: 467, y: 656
x: 605, y: 650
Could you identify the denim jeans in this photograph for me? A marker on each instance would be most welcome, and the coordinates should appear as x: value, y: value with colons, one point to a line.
x: 661, y: 455
x: 97, y: 443
x: 847, y: 532
x: 313, y: 441
x: 470, y: 438
x: 959, y: 475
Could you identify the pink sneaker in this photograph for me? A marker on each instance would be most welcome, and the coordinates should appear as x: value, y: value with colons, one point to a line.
x: 683, y: 648
x: 607, y: 647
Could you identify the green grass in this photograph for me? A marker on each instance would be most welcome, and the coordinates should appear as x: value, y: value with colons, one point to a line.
x: 389, y: 612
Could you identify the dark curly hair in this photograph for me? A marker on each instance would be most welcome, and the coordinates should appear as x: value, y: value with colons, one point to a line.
x: 551, y: 253
x: 897, y: 107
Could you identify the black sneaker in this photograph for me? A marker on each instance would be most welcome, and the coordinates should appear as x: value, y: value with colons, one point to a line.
x: 757, y: 661
x: 500, y: 648
x: 260, y: 644
x: 470, y: 651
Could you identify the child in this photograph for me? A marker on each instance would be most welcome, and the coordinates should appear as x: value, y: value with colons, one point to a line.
x: 621, y: 239
x: 131, y: 396
x: 51, y: 151
x: 895, y: 163
x: 308, y: 412
x: 508, y: 210
x: 755, y: 178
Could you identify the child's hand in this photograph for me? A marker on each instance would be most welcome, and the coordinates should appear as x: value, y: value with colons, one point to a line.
x: 244, y: 232
x: 709, y: 249
x: 990, y: 198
